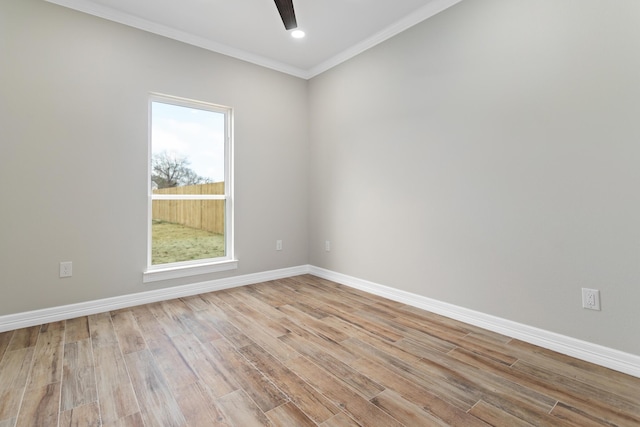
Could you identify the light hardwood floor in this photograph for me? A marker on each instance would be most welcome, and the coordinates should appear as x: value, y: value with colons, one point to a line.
x: 295, y: 352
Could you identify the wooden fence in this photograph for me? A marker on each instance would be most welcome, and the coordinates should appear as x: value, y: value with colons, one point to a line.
x: 202, y: 214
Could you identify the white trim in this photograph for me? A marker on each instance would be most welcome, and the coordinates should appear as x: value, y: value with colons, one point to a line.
x: 594, y: 353
x: 38, y: 317
x: 425, y: 12
x: 177, y: 271
x: 114, y: 15
x: 165, y: 271
x: 430, y: 9
x: 188, y: 196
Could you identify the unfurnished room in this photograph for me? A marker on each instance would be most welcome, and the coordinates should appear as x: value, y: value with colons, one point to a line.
x: 331, y: 213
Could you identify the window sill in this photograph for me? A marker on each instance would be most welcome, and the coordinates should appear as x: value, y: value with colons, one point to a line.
x: 176, y: 272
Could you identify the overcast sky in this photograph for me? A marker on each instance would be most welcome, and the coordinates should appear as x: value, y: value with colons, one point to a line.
x: 192, y: 133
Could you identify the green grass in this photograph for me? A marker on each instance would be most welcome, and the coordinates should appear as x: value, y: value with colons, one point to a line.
x: 175, y: 242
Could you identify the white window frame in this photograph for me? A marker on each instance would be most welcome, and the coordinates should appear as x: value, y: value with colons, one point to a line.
x: 175, y: 270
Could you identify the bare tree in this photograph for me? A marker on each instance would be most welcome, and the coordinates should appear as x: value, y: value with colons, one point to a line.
x: 171, y: 171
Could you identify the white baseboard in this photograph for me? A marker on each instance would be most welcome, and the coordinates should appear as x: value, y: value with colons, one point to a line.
x: 593, y: 353
x: 39, y: 317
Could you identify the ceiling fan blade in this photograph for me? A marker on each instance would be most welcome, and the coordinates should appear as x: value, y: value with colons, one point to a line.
x: 288, y: 15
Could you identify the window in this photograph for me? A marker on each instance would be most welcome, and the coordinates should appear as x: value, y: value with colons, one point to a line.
x: 190, y: 188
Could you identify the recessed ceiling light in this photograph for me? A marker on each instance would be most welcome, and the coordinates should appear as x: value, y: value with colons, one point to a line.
x: 297, y: 34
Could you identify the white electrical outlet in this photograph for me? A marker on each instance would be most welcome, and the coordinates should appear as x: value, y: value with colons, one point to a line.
x: 278, y: 245
x: 327, y: 245
x: 591, y: 299
x: 66, y: 269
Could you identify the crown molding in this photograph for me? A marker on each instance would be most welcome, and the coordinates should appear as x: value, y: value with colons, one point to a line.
x: 432, y: 8
x: 111, y: 14
x: 86, y: 6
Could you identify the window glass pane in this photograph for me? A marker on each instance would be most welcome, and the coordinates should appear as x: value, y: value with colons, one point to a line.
x: 185, y: 230
x: 187, y: 148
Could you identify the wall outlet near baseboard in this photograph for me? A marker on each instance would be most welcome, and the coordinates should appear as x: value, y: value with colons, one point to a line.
x: 66, y: 269
x: 591, y: 299
x: 327, y: 246
x: 278, y: 245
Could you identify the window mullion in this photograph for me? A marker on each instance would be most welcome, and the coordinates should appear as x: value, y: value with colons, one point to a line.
x: 188, y: 197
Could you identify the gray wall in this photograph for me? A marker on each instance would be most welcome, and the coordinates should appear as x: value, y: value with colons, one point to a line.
x: 489, y: 158
x: 486, y: 157
x: 73, y: 157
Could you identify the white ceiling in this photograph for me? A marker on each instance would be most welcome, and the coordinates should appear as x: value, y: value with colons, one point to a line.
x: 252, y: 30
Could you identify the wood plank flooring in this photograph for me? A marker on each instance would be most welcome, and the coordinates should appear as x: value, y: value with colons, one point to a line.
x: 295, y: 352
